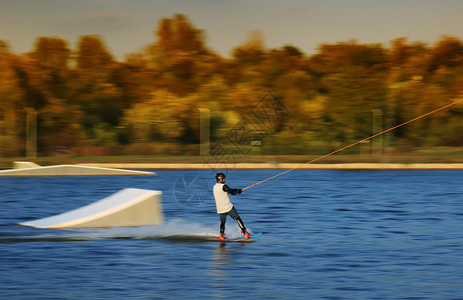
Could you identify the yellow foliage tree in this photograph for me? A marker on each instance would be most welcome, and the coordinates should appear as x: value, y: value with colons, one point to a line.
x: 159, y: 118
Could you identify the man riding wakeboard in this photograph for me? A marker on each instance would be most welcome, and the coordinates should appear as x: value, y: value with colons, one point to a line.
x: 225, y: 207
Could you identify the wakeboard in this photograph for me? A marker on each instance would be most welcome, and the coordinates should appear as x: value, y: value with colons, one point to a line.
x: 239, y: 239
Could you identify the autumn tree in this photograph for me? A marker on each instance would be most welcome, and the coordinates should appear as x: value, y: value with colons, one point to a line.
x: 252, y: 51
x: 94, y: 90
x: 59, y: 125
x: 154, y: 95
x: 352, y: 77
x: 448, y: 52
x: 160, y: 118
x: 408, y: 60
x: 51, y: 60
x: 49, y: 80
x: 11, y: 106
x: 92, y: 55
x: 180, y: 57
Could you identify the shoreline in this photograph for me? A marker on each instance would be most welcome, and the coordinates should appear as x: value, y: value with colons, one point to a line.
x: 334, y: 166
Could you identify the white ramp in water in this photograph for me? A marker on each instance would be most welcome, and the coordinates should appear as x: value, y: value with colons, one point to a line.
x: 128, y: 207
x: 32, y: 169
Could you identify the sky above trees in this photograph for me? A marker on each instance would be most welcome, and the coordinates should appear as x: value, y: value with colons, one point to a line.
x: 127, y: 26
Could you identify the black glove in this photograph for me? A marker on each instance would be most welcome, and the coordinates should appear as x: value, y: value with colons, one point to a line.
x: 239, y: 191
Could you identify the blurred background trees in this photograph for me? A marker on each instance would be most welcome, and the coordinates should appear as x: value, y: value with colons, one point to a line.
x: 149, y: 103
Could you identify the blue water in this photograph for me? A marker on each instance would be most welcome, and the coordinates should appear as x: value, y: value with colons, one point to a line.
x: 386, y: 234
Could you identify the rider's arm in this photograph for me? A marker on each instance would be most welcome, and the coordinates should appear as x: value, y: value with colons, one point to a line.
x: 227, y: 189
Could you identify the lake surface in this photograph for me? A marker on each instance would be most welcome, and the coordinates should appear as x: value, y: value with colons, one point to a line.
x: 327, y: 234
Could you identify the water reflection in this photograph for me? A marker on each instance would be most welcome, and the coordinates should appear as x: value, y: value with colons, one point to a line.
x: 221, y: 259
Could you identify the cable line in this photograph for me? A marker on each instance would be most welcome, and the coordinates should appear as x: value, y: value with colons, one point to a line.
x: 358, y: 142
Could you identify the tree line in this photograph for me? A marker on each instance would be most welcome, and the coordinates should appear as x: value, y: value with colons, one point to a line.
x: 86, y: 100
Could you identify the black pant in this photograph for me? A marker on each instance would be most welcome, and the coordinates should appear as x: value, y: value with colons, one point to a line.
x: 234, y: 214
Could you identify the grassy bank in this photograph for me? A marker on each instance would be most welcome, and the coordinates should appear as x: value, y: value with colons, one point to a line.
x: 423, y: 155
